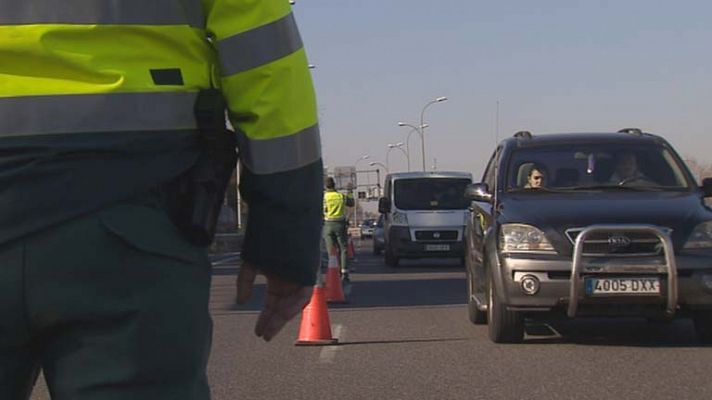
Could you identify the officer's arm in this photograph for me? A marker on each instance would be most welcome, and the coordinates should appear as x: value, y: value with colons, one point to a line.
x: 349, y: 198
x: 267, y: 84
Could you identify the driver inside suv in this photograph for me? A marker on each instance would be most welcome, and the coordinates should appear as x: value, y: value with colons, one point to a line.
x: 627, y: 171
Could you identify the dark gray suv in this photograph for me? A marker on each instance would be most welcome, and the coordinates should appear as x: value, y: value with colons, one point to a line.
x: 594, y: 224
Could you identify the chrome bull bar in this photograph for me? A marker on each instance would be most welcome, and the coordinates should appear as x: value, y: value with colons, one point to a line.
x: 668, y: 251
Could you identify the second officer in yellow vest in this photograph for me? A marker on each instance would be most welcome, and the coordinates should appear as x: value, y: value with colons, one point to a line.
x: 336, y: 223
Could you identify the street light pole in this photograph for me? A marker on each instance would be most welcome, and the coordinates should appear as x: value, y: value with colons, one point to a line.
x: 422, y: 128
x: 407, y: 139
x: 392, y: 146
x: 363, y: 157
x: 373, y: 163
x: 407, y: 146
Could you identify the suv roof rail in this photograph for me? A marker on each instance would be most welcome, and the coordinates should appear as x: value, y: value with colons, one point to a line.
x: 523, y: 135
x: 632, y: 131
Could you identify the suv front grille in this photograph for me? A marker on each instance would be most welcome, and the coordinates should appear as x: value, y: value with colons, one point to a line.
x: 435, y: 235
x: 618, y: 243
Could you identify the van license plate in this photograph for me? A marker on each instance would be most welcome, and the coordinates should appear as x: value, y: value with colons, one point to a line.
x: 437, y: 247
x: 596, y: 286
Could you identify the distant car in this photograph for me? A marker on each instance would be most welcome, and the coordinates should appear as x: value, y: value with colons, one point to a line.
x: 379, y: 241
x: 367, y: 227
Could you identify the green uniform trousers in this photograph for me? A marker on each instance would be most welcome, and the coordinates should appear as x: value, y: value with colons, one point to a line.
x: 113, y: 305
x: 335, y: 236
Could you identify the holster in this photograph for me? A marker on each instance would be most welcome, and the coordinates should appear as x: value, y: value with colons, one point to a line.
x: 198, y: 195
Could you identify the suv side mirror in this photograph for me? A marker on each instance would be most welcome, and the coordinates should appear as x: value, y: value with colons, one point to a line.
x: 707, y: 187
x: 478, y: 192
x: 384, y: 205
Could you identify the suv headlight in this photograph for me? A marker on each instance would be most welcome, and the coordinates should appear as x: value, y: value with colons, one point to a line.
x: 523, y: 238
x: 701, y: 237
x: 400, y: 219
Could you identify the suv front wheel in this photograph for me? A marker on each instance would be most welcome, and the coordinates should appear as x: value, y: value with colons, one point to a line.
x: 504, y: 326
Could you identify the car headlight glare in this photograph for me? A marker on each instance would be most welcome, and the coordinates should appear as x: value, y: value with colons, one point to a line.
x: 400, y: 219
x: 701, y: 237
x: 524, y: 238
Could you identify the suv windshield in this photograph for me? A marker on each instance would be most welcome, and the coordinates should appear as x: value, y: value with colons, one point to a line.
x: 595, y: 166
x: 431, y: 194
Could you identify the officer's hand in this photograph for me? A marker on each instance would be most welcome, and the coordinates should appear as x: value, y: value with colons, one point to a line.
x: 283, y: 302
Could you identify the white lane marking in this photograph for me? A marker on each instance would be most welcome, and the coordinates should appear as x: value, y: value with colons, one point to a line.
x: 328, y: 353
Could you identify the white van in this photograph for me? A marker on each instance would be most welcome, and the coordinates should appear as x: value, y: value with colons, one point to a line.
x: 425, y: 214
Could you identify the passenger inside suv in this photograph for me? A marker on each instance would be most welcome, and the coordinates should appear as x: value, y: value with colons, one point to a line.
x: 536, y: 177
x: 526, y: 170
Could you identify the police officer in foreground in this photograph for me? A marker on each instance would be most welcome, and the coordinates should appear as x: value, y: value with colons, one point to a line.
x: 336, y: 223
x: 113, y: 163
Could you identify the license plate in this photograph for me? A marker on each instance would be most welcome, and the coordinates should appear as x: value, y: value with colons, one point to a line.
x: 596, y: 286
x: 437, y: 247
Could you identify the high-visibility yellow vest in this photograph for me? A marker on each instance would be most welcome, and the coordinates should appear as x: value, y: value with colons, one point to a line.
x: 335, y: 205
x: 78, y: 66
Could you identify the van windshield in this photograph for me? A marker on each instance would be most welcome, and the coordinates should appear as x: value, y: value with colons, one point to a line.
x: 430, y: 194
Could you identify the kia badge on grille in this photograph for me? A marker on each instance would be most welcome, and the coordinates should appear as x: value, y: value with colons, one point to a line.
x: 618, y: 241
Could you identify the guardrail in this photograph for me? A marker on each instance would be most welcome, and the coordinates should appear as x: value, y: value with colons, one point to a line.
x: 669, y: 254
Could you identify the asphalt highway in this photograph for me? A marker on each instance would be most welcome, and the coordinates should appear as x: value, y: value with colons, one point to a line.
x: 404, y: 334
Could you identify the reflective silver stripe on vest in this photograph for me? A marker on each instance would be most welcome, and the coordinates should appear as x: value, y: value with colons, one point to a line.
x: 38, y: 115
x: 124, y: 12
x: 259, y: 46
x: 280, y: 154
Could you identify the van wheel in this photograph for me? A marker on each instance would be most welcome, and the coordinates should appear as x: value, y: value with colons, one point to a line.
x: 376, y: 250
x: 703, y: 325
x: 504, y: 326
x: 476, y: 316
x: 391, y: 260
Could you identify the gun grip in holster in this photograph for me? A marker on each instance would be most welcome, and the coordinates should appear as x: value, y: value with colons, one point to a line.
x: 202, y: 190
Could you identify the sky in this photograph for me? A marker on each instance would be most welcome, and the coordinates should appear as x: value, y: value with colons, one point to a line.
x: 542, y: 66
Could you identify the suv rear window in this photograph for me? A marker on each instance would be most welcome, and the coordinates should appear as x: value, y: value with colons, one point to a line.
x: 431, y: 194
x: 598, y: 165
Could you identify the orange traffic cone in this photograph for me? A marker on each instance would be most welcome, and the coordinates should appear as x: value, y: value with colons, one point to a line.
x: 334, y: 290
x: 315, y: 328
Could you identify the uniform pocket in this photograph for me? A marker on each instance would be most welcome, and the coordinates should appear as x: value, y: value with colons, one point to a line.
x: 150, y: 230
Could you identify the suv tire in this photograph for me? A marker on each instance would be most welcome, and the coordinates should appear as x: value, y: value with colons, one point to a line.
x: 376, y: 250
x: 476, y: 316
x: 504, y: 326
x: 703, y: 325
x: 390, y: 259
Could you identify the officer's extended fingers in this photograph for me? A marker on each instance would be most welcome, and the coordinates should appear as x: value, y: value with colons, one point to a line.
x: 280, y: 310
x: 245, y: 283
